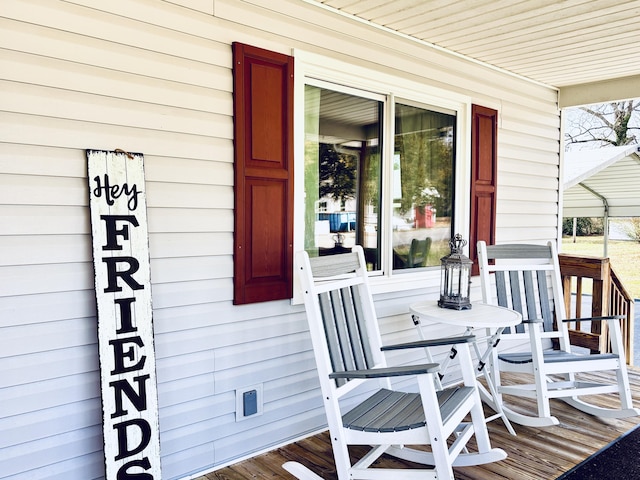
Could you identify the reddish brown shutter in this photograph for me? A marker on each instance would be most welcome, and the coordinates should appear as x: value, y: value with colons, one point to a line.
x: 263, y: 130
x: 484, y: 168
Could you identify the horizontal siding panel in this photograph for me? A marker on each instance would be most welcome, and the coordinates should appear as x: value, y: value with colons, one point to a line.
x: 189, y: 435
x: 42, y: 161
x: 48, y: 452
x: 170, y: 367
x: 296, y: 425
x: 65, y: 75
x: 191, y: 293
x: 173, y: 220
x: 508, y: 234
x: 43, y: 249
x: 185, y: 196
x: 34, y: 190
x: 188, y: 461
x: 512, y: 123
x: 532, y: 221
x: 262, y: 350
x: 52, y: 102
x: 167, y: 320
x: 44, y: 337
x: 30, y: 130
x: 523, y: 208
x: 205, y: 6
x: 184, y: 390
x: 41, y: 308
x: 87, y: 467
x: 519, y: 111
x: 185, y: 342
x: 175, y: 245
x: 43, y: 220
x: 242, y: 333
x: 167, y: 28
x: 199, y: 412
x: 546, y: 185
x: 187, y: 269
x: 533, y: 143
x: 32, y: 279
x: 242, y: 375
x: 163, y: 169
x: 205, y: 67
x: 521, y: 151
x: 30, y: 369
x: 48, y: 394
x: 522, y: 166
x: 51, y: 422
x: 522, y: 193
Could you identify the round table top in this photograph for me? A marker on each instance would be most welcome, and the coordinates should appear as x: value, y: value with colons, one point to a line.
x: 479, y: 315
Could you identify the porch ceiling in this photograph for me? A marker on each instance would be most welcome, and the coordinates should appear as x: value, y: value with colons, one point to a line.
x: 563, y: 44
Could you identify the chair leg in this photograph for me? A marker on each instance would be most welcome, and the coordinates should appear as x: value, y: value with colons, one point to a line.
x: 438, y: 439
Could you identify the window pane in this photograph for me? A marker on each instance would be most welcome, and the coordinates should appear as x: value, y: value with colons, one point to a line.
x: 342, y: 173
x: 422, y: 186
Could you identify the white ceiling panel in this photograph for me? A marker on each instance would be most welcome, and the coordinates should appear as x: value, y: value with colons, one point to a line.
x: 559, y: 43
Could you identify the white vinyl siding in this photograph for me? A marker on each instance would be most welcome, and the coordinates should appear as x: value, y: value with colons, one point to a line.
x: 155, y: 77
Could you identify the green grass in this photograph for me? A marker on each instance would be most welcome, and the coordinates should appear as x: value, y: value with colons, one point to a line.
x: 624, y: 257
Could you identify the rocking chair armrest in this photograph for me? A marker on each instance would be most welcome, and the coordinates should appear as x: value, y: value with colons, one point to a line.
x: 431, y: 343
x: 388, y: 371
x: 596, y: 319
x: 532, y: 320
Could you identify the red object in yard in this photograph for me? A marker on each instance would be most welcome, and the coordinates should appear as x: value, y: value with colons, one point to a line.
x: 424, y: 216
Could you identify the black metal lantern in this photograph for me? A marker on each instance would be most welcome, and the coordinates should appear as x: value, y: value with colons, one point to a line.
x: 455, y: 277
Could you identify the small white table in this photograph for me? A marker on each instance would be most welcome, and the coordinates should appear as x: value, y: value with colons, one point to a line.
x: 493, y: 319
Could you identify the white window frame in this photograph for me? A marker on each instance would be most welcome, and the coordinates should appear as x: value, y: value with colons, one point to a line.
x: 393, y: 88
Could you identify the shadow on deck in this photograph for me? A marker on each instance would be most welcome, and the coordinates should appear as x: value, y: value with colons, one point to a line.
x: 534, y: 454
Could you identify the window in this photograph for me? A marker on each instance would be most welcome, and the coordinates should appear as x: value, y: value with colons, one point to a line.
x: 387, y: 185
x: 387, y: 165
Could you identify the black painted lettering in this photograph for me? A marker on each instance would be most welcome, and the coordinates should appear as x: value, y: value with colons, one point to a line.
x: 123, y: 473
x: 121, y: 353
x: 138, y: 399
x: 113, y: 192
x: 126, y: 319
x: 113, y: 232
x: 126, y: 275
x: 123, y: 445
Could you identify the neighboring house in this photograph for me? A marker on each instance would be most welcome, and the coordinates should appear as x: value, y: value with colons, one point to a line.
x: 157, y: 78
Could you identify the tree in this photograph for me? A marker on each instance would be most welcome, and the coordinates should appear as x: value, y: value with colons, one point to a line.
x: 608, y: 124
x: 337, y: 173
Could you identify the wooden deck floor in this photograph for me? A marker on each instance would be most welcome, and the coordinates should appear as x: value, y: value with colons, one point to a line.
x: 534, y: 454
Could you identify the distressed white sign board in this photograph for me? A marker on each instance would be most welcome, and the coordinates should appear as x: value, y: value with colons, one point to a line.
x: 125, y: 326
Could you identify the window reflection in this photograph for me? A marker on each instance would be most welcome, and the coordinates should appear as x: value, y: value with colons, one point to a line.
x: 422, y: 186
x: 342, y: 173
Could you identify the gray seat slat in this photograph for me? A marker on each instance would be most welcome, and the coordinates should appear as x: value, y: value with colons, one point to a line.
x: 387, y: 411
x: 553, y: 356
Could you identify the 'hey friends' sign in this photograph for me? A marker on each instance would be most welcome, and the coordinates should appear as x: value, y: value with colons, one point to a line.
x: 125, y: 327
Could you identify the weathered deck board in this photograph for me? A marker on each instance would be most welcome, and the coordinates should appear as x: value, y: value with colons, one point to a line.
x: 534, y: 454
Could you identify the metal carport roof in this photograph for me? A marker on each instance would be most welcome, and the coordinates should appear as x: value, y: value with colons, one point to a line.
x: 602, y: 183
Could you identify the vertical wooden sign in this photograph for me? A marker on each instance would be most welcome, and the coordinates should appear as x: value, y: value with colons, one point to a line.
x: 125, y: 327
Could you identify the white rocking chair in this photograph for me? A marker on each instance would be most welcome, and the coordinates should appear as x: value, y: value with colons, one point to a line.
x: 349, y: 358
x: 527, y: 279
